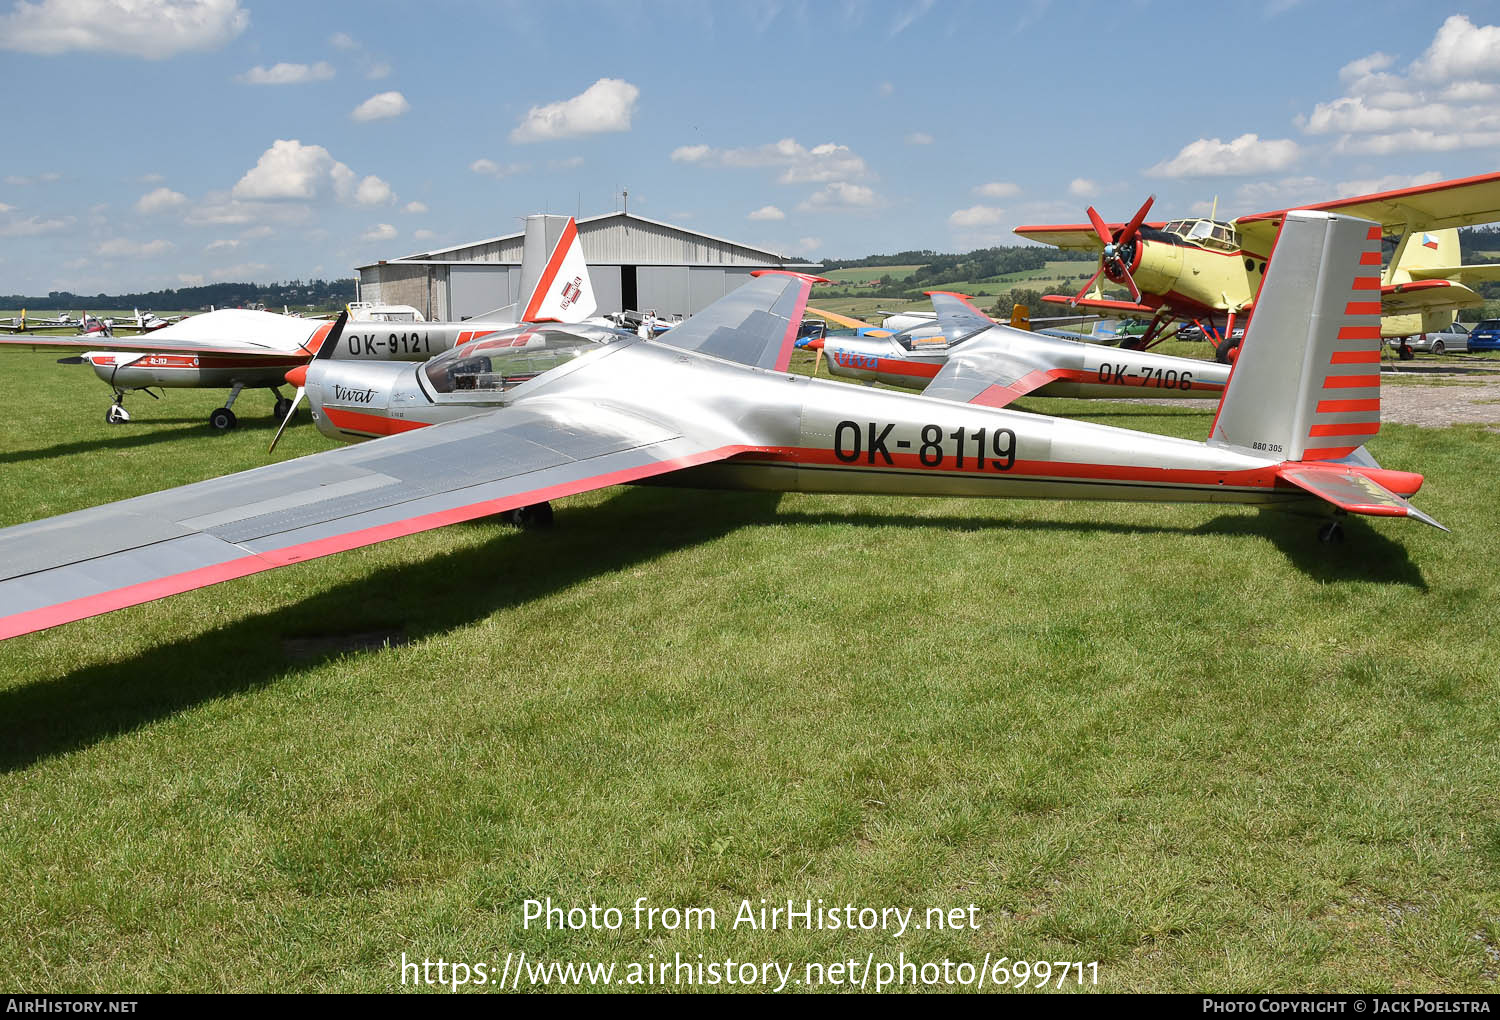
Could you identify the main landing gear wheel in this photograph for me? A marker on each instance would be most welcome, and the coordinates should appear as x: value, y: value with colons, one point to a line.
x: 116, y: 415
x: 1223, y: 349
x: 283, y: 408
x: 537, y: 515
x: 223, y: 419
x: 1331, y: 533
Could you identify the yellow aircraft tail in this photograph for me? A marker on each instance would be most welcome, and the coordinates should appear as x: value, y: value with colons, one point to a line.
x: 1425, y: 249
x: 1020, y: 317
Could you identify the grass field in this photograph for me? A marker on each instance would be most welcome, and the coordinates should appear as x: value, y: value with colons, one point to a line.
x: 1189, y: 743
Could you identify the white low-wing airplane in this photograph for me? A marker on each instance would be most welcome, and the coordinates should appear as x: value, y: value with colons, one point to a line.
x: 491, y: 428
x: 236, y: 349
x: 963, y: 354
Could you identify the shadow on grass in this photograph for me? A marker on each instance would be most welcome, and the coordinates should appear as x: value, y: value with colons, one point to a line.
x: 455, y: 589
x: 126, y: 438
x: 40, y: 720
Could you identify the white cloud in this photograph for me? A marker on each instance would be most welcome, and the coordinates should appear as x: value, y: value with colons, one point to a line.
x: 373, y: 191
x: 49, y: 177
x: 255, y: 233
x: 414, y: 207
x: 887, y: 89
x: 6, y: 208
x: 288, y: 74
x: 606, y: 105
x: 767, y: 212
x: 808, y: 245
x: 912, y: 12
x: 242, y: 271
x: 218, y: 245
x: 289, y: 170
x: 840, y: 196
x: 190, y: 279
x: 379, y: 232
x: 1445, y: 100
x: 34, y: 227
x: 382, y: 106
x: 1460, y: 49
x: 489, y: 168
x: 1082, y: 187
x: 159, y: 200
x: 1390, y: 182
x: 1244, y: 156
x: 343, y: 41
x: 378, y: 70
x: 919, y: 138
x: 998, y: 189
x: 150, y: 29
x: 571, y: 163
x: 120, y: 247
x: 423, y: 235
x: 800, y: 165
x: 976, y: 216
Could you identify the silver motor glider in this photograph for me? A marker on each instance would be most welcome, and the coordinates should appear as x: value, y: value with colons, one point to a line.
x: 490, y: 428
x: 236, y: 348
x: 965, y: 355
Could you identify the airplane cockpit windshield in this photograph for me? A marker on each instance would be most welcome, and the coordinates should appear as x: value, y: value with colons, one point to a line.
x: 1208, y: 233
x: 505, y: 360
x: 929, y: 337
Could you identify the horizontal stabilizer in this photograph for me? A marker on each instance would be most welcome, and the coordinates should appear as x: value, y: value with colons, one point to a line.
x: 1352, y: 490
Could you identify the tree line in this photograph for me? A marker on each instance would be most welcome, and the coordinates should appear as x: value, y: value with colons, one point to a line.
x: 301, y: 294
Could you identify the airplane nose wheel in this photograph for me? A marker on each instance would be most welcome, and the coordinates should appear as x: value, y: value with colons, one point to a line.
x: 537, y: 515
x: 116, y: 415
x: 223, y: 419
x: 1331, y: 533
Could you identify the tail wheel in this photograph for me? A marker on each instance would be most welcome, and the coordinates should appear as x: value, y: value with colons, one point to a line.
x: 223, y: 419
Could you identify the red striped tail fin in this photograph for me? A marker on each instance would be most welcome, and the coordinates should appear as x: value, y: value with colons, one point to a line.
x: 1306, y: 383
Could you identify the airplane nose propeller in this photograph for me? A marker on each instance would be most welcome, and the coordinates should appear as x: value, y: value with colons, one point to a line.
x: 1119, y: 252
x: 296, y: 377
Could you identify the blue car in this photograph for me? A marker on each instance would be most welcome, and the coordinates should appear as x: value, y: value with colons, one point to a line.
x: 1485, y: 336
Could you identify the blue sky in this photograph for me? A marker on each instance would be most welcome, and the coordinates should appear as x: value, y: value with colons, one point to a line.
x: 161, y: 143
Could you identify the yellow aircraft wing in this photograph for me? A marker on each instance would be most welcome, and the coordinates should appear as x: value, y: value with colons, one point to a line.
x: 1459, y: 274
x: 1455, y: 203
x: 1073, y: 236
x: 842, y: 320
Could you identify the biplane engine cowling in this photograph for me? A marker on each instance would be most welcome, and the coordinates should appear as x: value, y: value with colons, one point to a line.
x: 1157, y: 265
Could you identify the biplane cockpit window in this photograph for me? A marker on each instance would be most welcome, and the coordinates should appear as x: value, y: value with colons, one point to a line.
x: 503, y: 361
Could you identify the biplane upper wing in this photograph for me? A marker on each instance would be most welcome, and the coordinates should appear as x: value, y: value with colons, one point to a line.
x: 104, y: 558
x: 1073, y: 236
x: 227, y: 331
x: 1455, y: 203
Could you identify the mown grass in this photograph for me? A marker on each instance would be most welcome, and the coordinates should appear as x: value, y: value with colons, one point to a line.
x: 1189, y: 743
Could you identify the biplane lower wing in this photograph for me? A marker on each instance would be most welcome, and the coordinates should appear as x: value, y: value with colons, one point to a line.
x: 1134, y: 307
x: 122, y: 554
x: 1398, y: 298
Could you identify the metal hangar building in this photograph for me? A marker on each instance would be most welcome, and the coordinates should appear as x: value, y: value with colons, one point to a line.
x: 634, y: 263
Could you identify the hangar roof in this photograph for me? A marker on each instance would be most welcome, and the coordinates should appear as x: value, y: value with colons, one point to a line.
x: 614, y: 238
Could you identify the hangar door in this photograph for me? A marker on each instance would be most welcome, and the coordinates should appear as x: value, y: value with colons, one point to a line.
x: 474, y: 290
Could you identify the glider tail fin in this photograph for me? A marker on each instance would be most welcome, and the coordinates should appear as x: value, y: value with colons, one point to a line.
x: 1306, y: 383
x: 555, y: 284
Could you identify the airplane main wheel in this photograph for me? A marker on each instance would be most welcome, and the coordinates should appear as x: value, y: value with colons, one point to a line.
x: 116, y: 415
x: 537, y: 515
x: 1331, y: 533
x: 1223, y: 348
x: 223, y: 419
x: 283, y: 408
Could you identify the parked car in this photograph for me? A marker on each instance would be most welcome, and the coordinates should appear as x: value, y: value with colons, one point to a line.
x: 1444, y: 341
x: 1485, y: 336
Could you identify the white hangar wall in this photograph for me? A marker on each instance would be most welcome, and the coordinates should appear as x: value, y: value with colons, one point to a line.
x: 634, y: 263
